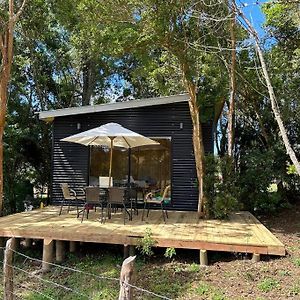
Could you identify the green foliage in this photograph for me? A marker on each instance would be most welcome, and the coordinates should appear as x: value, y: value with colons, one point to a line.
x: 295, y: 290
x: 146, y: 243
x: 170, y: 252
x: 268, y: 284
x: 291, y: 170
x: 193, y: 268
x: 203, y: 289
x: 220, y: 186
x: 297, y: 262
x: 264, y: 184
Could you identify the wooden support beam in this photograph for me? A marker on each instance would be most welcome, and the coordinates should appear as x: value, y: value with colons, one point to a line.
x: 72, y: 246
x: 2, y: 241
x: 127, y: 276
x: 60, y: 251
x: 27, y: 243
x: 47, y: 254
x: 203, y: 258
x: 255, y: 257
x: 131, y: 250
x: 8, y: 271
x: 17, y: 243
x: 126, y: 251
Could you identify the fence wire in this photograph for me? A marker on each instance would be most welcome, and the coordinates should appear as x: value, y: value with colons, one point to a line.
x: 48, y: 282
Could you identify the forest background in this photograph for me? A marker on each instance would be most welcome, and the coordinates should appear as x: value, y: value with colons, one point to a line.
x: 73, y: 53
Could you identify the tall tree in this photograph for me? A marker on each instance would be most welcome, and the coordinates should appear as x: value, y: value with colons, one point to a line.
x: 274, y: 104
x: 8, y: 22
x: 232, y: 76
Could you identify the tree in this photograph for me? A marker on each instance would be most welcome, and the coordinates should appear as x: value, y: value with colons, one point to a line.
x: 8, y: 22
x: 274, y: 103
x: 178, y: 28
x: 232, y: 76
x: 178, y: 33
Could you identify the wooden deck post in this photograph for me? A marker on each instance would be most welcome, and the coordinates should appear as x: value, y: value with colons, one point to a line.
x: 60, y: 251
x: 255, y: 257
x: 203, y: 258
x: 126, y: 251
x: 127, y: 276
x: 47, y: 255
x: 27, y: 243
x: 131, y: 250
x: 72, y: 246
x: 8, y: 270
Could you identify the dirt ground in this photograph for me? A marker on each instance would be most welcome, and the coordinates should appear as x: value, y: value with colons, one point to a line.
x: 235, y: 276
x: 273, y: 277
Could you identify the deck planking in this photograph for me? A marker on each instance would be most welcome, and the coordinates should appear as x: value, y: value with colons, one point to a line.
x: 242, y: 232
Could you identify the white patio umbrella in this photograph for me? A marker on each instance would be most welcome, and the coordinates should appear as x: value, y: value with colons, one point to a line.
x: 110, y: 135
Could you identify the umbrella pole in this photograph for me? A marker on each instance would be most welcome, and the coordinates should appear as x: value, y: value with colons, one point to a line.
x: 110, y: 161
x: 129, y: 167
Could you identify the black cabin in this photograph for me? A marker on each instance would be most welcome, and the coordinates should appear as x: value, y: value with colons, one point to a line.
x: 165, y: 119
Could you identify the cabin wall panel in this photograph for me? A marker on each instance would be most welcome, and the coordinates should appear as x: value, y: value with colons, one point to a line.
x: 70, y: 161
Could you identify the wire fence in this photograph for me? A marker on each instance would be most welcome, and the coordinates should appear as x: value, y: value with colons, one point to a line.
x: 30, y: 283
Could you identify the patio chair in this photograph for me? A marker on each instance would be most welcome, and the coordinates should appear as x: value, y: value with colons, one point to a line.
x: 117, y: 197
x: 92, y: 200
x: 71, y: 197
x: 150, y: 199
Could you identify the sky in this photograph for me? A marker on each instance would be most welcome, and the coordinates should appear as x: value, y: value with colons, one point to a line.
x: 252, y: 10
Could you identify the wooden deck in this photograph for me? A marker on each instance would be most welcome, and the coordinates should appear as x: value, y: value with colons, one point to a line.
x: 241, y: 233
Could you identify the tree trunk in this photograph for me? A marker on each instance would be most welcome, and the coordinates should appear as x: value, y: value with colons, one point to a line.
x: 6, y: 47
x: 197, y: 142
x: 272, y: 95
x: 232, y: 77
x: 3, y: 98
x: 88, y: 81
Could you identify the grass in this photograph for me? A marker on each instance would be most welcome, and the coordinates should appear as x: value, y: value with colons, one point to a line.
x: 297, y: 262
x: 267, y: 285
x: 295, y: 290
x: 209, y: 292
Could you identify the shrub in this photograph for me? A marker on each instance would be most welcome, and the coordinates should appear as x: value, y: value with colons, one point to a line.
x: 220, y: 187
x: 146, y: 243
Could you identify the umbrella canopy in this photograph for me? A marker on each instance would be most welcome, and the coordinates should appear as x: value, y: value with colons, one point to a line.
x: 110, y: 135
x: 103, y: 135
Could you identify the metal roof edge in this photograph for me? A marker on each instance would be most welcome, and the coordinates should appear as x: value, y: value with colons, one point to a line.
x: 51, y: 114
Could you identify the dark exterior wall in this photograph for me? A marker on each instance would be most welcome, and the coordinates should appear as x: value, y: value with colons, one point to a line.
x: 70, y: 161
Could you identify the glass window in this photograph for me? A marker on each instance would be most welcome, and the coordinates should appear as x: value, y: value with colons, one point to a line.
x: 150, y: 165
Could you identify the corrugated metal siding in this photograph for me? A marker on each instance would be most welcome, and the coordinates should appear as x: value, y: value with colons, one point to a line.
x: 70, y: 161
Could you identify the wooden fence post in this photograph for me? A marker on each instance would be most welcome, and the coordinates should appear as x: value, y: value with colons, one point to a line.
x: 127, y: 277
x: 8, y: 269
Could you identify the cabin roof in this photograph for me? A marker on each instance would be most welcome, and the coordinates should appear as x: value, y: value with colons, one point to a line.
x: 49, y: 115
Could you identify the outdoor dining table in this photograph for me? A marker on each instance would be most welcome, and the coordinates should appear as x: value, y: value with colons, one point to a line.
x: 104, y: 200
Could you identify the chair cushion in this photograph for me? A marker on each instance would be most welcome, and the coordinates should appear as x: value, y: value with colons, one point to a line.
x: 167, y: 200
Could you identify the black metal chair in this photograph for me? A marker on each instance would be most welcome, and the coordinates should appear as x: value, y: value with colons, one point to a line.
x: 92, y: 201
x: 117, y: 197
x: 71, y: 197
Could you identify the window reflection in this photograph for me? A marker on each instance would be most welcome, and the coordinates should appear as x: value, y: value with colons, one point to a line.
x: 150, y: 165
